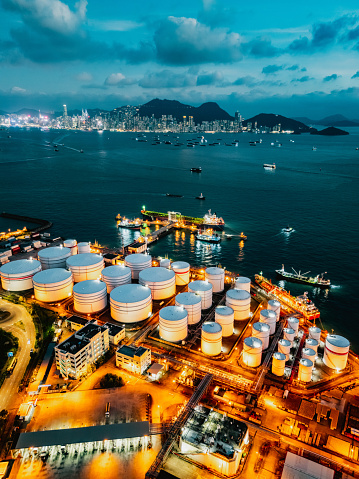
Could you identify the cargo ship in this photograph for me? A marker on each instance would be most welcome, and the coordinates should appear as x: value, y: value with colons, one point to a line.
x: 208, y: 236
x: 210, y: 220
x: 301, y: 278
x: 300, y: 304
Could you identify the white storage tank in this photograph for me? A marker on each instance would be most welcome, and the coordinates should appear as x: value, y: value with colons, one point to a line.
x: 84, y: 247
x: 211, y: 338
x: 52, y: 285
x: 17, y: 275
x: 284, y: 347
x: 161, y: 281
x: 243, y: 283
x: 72, y: 244
x: 305, y: 370
x: 293, y: 323
x: 252, y: 352
x: 203, y: 289
x: 165, y: 263
x: 137, y: 262
x: 54, y: 257
x: 90, y: 296
x: 269, y: 317
x: 215, y: 276
x: 274, y: 305
x: 224, y: 315
x: 312, y: 343
x: 115, y: 275
x: 336, y: 351
x: 173, y: 322
x: 85, y: 266
x: 240, y: 301
x: 130, y: 303
x: 261, y: 331
x: 289, y: 333
x: 181, y: 269
x: 192, y: 303
x: 308, y: 353
x: 278, y: 363
x: 315, y: 333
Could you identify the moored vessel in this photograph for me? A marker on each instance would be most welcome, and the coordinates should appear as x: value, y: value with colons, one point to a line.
x: 208, y: 236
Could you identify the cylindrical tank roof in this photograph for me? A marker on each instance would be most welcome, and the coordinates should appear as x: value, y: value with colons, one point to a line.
x: 54, y: 252
x: 274, y: 303
x: 308, y: 351
x: 314, y: 329
x: 215, y: 271
x: 70, y: 242
x: 188, y: 299
x: 130, y: 293
x: 252, y: 342
x: 200, y: 285
x: 213, y: 328
x: 20, y: 266
x: 54, y: 275
x: 238, y: 294
x: 279, y: 356
x: 306, y: 362
x: 293, y: 320
x: 89, y: 286
x: 311, y: 342
x: 138, y: 258
x: 173, y: 313
x: 84, y: 259
x: 180, y: 265
x: 289, y: 331
x: 224, y: 310
x: 83, y: 243
x: 284, y: 342
x: 338, y: 341
x: 243, y: 279
x: 268, y: 313
x: 115, y: 271
x: 261, y: 327
x: 156, y: 274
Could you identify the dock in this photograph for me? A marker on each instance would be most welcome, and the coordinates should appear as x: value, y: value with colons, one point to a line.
x: 142, y: 243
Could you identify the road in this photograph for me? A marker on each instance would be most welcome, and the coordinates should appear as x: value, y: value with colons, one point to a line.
x: 27, y: 335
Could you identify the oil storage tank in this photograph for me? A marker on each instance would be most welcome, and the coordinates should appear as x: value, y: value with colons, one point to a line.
x: 84, y: 247
x: 165, y: 263
x: 173, y: 322
x: 305, y: 370
x: 211, y: 338
x: 90, y: 296
x: 261, y: 331
x: 312, y: 344
x: 240, y: 301
x: 224, y: 315
x: 315, y: 333
x: 278, y: 363
x: 243, y: 283
x: 203, y: 289
x: 18, y: 275
x: 289, y: 333
x: 336, y: 351
x: 85, y: 266
x: 309, y: 353
x: 293, y: 323
x: 269, y: 317
x: 137, y: 262
x: 274, y: 305
x: 130, y: 303
x: 54, y: 257
x: 72, y: 244
x: 52, y: 285
x: 192, y: 303
x: 161, y: 281
x: 215, y: 276
x: 284, y: 347
x: 181, y: 269
x: 115, y: 275
x: 252, y: 352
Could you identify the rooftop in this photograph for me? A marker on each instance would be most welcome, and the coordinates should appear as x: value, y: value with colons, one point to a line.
x: 131, y: 351
x: 113, y: 329
x: 80, y: 338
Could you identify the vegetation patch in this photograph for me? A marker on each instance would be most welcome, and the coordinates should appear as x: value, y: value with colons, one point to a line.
x: 110, y: 380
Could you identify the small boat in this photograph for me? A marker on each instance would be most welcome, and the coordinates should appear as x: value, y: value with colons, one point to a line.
x: 252, y: 143
x: 167, y: 142
x: 288, y: 229
x: 208, y: 236
x: 196, y: 170
x: 190, y: 145
x: 81, y: 151
x: 200, y: 197
x: 314, y: 148
x: 229, y: 237
x: 174, y: 196
x: 130, y: 224
x: 269, y: 166
x: 243, y: 237
x: 56, y: 149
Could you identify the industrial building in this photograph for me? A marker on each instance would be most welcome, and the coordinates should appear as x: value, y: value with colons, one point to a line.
x: 84, y: 347
x: 133, y: 359
x: 116, y: 333
x: 214, y: 440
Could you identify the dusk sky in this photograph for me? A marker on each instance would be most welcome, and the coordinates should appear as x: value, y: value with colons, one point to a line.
x: 291, y: 58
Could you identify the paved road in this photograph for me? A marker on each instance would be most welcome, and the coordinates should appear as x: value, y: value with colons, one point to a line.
x: 27, y: 335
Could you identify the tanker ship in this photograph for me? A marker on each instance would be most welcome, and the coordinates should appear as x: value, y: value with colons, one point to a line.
x: 303, y: 279
x: 210, y: 220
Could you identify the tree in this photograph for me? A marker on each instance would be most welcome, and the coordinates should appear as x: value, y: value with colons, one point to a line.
x: 111, y: 381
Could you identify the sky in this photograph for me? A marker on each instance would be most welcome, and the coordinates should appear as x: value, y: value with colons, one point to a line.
x: 289, y: 58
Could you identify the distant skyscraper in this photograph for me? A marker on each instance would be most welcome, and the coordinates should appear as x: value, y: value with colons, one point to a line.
x: 65, y: 110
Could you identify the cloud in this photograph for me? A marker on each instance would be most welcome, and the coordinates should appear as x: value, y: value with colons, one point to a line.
x: 185, y: 41
x: 302, y: 79
x: 167, y: 79
x: 293, y: 68
x: 114, y: 25
x: 246, y: 81
x: 84, y: 76
x: 261, y: 48
x: 215, y: 14
x: 332, y: 77
x: 272, y: 69
x: 214, y: 78
x: 119, y: 80
x: 356, y: 75
x: 17, y: 90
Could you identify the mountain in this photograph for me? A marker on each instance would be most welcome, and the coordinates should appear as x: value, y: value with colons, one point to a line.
x: 270, y: 120
x: 207, y: 112
x: 330, y: 131
x: 27, y: 111
x: 333, y: 120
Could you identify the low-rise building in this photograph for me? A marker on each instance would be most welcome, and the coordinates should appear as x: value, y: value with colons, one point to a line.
x: 133, y: 359
x: 76, y: 322
x: 77, y: 353
x: 116, y: 333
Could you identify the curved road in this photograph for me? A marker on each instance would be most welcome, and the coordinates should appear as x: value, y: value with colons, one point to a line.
x: 9, y: 389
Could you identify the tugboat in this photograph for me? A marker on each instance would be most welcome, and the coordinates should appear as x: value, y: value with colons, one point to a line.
x: 298, y: 277
x: 288, y: 229
x: 269, y: 166
x: 196, y: 170
x: 174, y: 196
x: 212, y: 221
x: 243, y: 237
x: 200, y: 197
x: 208, y: 236
x: 129, y: 224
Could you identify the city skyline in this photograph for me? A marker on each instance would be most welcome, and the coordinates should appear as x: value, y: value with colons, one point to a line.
x: 252, y: 59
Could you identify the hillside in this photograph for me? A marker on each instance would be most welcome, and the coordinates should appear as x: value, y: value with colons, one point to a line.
x: 330, y: 131
x: 270, y: 120
x: 333, y: 120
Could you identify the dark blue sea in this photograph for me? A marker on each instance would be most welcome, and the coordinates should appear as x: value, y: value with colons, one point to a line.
x: 314, y: 191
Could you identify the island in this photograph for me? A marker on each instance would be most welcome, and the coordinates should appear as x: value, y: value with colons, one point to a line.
x: 330, y: 131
